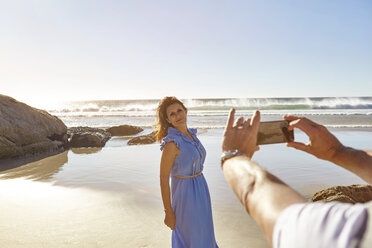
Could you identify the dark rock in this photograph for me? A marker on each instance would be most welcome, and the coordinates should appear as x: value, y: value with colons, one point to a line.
x: 87, y: 137
x: 59, y: 137
x: 124, y: 130
x: 144, y: 139
x: 356, y: 193
x: 25, y: 130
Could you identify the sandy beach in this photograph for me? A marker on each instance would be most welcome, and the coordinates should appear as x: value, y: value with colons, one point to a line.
x: 110, y: 197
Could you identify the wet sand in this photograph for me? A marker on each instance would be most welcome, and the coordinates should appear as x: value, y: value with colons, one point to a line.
x: 110, y: 197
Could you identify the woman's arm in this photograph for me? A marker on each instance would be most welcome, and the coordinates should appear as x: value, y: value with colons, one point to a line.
x: 169, y: 153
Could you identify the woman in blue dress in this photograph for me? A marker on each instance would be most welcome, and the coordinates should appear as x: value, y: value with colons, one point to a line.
x: 187, y: 202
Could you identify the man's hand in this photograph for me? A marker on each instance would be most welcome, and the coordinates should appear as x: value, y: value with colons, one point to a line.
x: 241, y: 135
x: 322, y: 144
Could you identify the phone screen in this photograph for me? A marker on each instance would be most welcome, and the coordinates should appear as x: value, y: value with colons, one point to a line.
x: 272, y: 132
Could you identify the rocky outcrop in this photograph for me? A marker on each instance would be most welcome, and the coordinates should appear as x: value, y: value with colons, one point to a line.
x: 356, y: 193
x: 124, y: 130
x: 26, y: 130
x: 87, y: 137
x: 144, y: 139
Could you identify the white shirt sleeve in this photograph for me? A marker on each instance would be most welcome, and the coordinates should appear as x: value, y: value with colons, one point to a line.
x: 331, y: 224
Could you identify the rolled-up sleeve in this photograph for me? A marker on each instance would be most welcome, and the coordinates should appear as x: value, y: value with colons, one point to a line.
x: 332, y: 224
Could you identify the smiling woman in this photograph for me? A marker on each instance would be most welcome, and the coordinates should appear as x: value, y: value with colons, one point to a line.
x: 169, y: 105
x: 187, y: 202
x: 177, y: 115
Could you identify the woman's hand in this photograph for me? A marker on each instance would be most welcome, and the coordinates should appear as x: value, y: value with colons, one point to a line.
x: 170, y: 219
x: 242, y: 134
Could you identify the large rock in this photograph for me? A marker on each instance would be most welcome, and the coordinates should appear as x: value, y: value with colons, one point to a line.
x: 26, y: 130
x: 124, y: 130
x: 144, y: 139
x: 87, y: 137
x: 356, y: 193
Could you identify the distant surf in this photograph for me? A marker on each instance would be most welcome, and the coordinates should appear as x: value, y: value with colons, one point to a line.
x: 219, y: 104
x: 339, y: 112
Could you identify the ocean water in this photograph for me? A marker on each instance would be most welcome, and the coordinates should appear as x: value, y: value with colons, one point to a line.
x: 335, y: 112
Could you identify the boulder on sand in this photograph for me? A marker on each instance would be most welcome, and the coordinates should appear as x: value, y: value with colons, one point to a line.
x: 144, y: 139
x: 26, y: 130
x: 87, y: 137
x: 356, y: 193
x: 124, y: 130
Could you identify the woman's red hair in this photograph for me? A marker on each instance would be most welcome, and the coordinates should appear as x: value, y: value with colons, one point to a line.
x: 161, y: 125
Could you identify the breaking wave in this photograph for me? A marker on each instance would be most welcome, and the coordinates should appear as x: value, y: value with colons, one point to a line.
x: 321, y: 103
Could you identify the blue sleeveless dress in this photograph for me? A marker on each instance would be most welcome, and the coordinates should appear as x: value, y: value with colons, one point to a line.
x: 191, y: 201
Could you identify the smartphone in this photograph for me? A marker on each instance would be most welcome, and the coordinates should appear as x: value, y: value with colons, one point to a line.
x: 272, y: 132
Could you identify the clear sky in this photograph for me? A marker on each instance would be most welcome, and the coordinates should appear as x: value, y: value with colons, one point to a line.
x: 80, y: 50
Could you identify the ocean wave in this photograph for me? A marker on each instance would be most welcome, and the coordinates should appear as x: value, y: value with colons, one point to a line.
x: 283, y: 103
x: 345, y: 126
x: 214, y: 114
x: 325, y: 103
x: 73, y: 115
x: 350, y: 126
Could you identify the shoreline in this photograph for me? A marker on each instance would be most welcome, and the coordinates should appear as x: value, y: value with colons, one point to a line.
x: 11, y: 163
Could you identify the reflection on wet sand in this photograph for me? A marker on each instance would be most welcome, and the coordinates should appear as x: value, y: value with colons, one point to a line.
x: 11, y: 163
x: 88, y: 150
x: 41, y: 170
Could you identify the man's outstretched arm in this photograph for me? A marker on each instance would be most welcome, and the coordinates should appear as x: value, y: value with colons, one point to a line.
x: 325, y: 145
x: 263, y: 195
x: 357, y: 161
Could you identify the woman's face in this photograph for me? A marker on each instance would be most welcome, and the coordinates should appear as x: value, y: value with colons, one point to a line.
x: 176, y: 115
